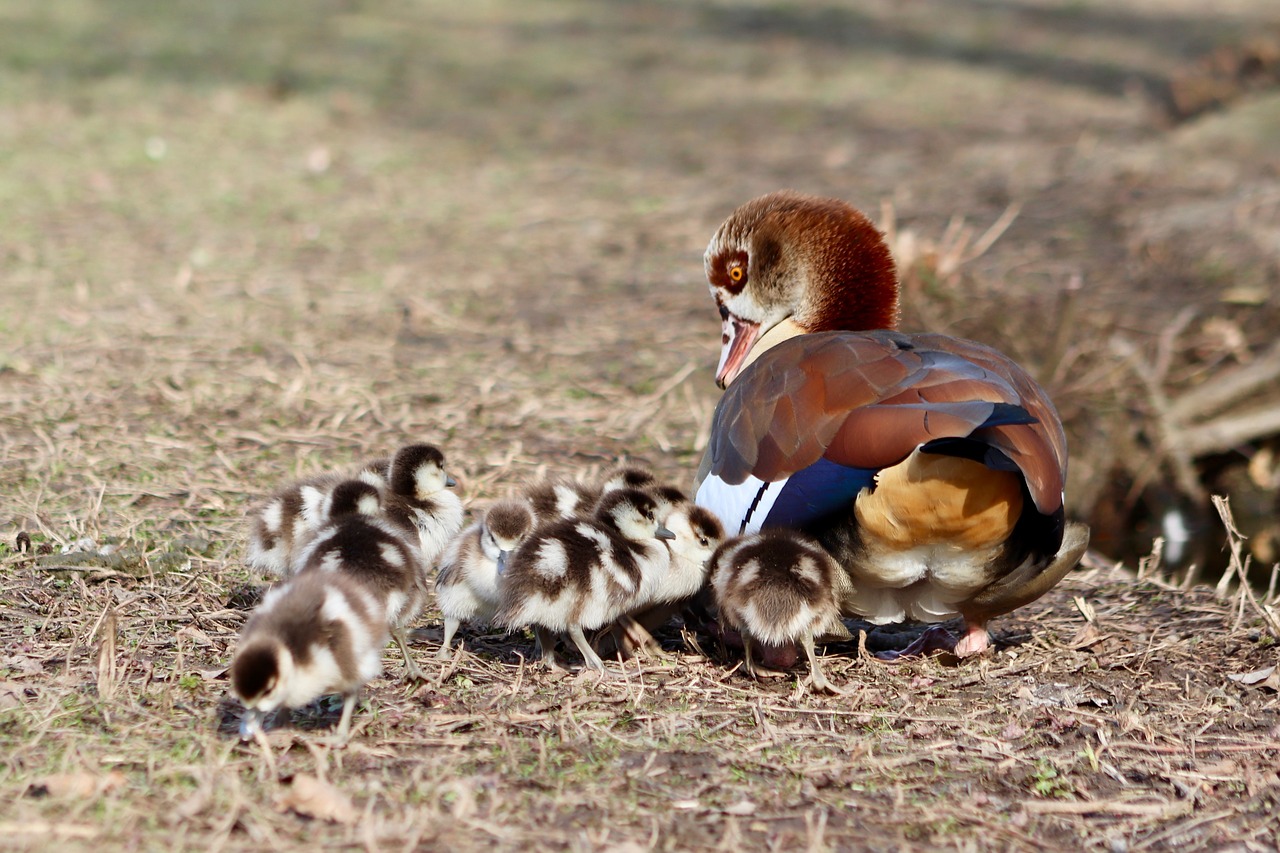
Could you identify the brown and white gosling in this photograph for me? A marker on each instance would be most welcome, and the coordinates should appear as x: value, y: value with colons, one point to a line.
x: 472, y: 567
x: 359, y: 543
x: 556, y: 498
x: 315, y: 634
x: 627, y: 476
x: 281, y: 526
x: 777, y: 587
x: 585, y: 573
x: 419, y: 498
x: 697, y: 533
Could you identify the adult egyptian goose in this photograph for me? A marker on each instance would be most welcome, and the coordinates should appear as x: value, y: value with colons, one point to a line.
x: 777, y: 587
x: 360, y: 543
x: 469, y: 583
x: 930, y: 467
x: 317, y: 633
x: 584, y: 573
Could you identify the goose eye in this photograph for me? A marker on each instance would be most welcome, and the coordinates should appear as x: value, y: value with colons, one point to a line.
x: 737, y: 274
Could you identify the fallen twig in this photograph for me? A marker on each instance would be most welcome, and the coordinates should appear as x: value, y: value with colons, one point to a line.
x: 1239, y: 568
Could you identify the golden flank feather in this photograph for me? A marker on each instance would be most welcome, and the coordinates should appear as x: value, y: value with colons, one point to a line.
x: 930, y: 499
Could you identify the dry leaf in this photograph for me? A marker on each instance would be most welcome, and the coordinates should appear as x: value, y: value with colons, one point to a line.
x: 314, y: 798
x: 11, y: 694
x: 195, y: 635
x: 1085, y: 608
x: 741, y: 809
x: 1265, y: 677
x: 81, y: 786
x: 1087, y: 636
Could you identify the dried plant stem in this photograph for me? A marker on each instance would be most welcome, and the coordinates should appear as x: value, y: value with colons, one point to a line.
x: 1239, y: 568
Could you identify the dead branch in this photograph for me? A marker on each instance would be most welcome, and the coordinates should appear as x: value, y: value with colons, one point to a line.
x: 1229, y: 431
x: 1227, y: 387
x: 1170, y: 437
x: 1239, y: 568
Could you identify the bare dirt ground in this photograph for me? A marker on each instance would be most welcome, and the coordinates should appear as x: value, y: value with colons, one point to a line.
x: 243, y: 242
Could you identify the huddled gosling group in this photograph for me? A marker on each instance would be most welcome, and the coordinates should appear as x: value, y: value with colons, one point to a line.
x: 355, y: 552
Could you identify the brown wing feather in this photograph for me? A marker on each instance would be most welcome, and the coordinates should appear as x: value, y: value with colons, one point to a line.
x: 867, y: 399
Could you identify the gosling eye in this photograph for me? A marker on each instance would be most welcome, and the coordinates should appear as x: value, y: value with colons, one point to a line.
x: 702, y: 540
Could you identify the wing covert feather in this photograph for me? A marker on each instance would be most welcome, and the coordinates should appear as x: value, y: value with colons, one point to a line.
x: 867, y: 399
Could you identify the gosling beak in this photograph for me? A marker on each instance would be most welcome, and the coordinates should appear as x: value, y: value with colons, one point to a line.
x: 449, y: 481
x: 250, y: 723
x: 664, y: 533
x: 502, y: 561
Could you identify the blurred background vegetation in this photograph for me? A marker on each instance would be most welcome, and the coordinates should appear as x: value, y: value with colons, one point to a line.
x: 240, y: 240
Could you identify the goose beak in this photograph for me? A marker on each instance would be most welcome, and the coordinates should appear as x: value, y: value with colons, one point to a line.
x: 738, y: 337
x: 664, y: 533
x: 502, y: 561
x: 250, y: 723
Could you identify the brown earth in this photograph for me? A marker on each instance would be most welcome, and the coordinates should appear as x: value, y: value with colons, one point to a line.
x: 243, y: 242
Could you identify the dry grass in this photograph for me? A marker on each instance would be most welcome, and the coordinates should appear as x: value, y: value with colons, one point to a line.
x: 242, y: 243
x: 1109, y: 716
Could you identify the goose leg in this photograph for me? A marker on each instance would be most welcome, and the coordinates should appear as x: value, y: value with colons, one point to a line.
x: 343, y: 733
x: 975, y: 641
x: 748, y: 659
x: 633, y: 639
x: 820, y: 683
x: 547, y: 648
x: 411, y: 670
x: 450, y: 628
x: 588, y: 654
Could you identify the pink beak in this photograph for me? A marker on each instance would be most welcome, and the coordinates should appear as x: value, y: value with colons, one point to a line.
x: 739, y: 336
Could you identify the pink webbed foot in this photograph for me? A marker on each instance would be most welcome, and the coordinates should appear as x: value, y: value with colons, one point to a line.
x: 975, y: 641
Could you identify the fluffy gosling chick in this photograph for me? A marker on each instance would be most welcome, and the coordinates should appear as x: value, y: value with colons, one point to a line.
x: 419, y: 498
x: 777, y: 587
x: 697, y: 534
x: 281, y: 526
x: 472, y: 567
x: 360, y: 544
x: 312, y: 635
x: 582, y: 574
x: 558, y: 498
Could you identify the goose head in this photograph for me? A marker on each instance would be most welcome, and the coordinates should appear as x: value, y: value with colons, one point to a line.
x: 633, y: 514
x: 260, y: 676
x: 506, y: 524
x: 698, y: 533
x: 417, y: 472
x: 786, y: 264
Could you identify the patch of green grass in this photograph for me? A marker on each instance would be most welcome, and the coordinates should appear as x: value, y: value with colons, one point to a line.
x: 1048, y: 781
